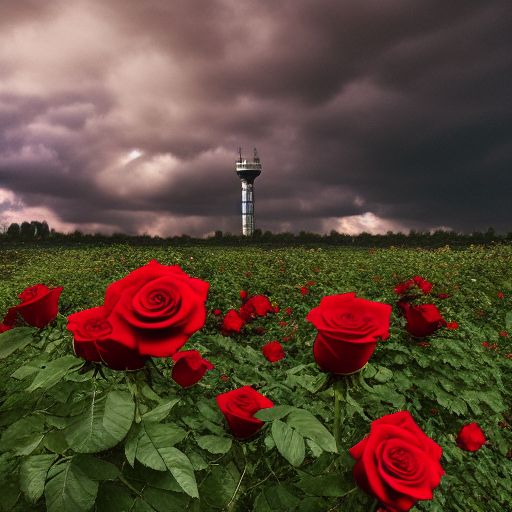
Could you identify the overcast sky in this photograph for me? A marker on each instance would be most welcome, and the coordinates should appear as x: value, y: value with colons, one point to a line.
x: 369, y: 115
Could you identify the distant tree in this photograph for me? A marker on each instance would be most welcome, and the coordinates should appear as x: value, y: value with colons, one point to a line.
x: 218, y: 234
x: 45, y: 230
x: 13, y: 231
x: 27, y: 230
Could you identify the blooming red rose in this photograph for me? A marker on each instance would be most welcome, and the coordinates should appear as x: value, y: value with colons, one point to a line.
x: 288, y: 310
x: 161, y: 304
x: 97, y: 339
x: 276, y: 309
x: 260, y: 305
x: 348, y: 331
x: 239, y: 407
x: 471, y: 437
x: 39, y: 306
x: 397, y: 463
x: 422, y: 320
x: 217, y: 312
x: 452, y: 326
x: 232, y: 322
x: 189, y: 368
x: 304, y: 290
x: 243, y: 295
x: 424, y: 285
x: 501, y: 295
x: 273, y: 351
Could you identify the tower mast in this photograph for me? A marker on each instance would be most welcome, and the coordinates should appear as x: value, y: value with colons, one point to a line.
x: 248, y: 172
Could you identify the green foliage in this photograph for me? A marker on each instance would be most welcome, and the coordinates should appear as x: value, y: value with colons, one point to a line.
x: 75, y: 439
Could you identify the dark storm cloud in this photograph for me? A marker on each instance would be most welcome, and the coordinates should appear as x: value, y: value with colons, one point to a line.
x: 126, y: 115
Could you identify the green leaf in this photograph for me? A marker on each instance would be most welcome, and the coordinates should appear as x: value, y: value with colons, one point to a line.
x: 276, y: 498
x: 210, y: 411
x: 383, y: 374
x: 335, y: 485
x: 308, y: 426
x: 161, y: 412
x: 68, y: 489
x: 273, y: 413
x: 104, y: 423
x: 165, y: 501
x: 219, y: 486
x: 96, y: 469
x: 33, y: 472
x: 54, y: 371
x: 289, y: 443
x: 114, y: 498
x: 15, y: 339
x: 23, y: 436
x: 215, y: 444
x: 155, y: 450
x: 508, y: 320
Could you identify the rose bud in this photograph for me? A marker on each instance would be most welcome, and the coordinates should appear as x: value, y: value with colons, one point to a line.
x: 98, y: 339
x: 397, y: 463
x: 422, y: 320
x: 273, y: 351
x: 217, y: 312
x: 243, y: 295
x: 471, y: 438
x: 232, y: 322
x: 162, y: 305
x: 189, y: 368
x: 348, y: 331
x: 239, y: 406
x: 39, y: 306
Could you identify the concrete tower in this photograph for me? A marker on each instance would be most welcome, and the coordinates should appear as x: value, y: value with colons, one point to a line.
x: 248, y: 172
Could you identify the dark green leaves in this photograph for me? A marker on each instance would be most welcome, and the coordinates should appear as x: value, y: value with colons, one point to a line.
x: 15, y: 339
x: 69, y: 489
x: 289, y: 442
x: 215, y: 444
x: 33, y: 472
x: 152, y: 445
x: 104, y: 423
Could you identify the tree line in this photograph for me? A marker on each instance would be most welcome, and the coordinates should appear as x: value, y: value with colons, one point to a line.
x: 40, y: 232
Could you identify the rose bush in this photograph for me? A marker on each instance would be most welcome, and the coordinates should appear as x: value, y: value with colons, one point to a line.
x: 397, y: 462
x: 239, y: 406
x: 348, y: 330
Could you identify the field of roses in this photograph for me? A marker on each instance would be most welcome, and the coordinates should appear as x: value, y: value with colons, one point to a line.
x: 243, y: 379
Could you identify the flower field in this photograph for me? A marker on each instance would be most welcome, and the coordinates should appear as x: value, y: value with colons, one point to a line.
x: 211, y: 379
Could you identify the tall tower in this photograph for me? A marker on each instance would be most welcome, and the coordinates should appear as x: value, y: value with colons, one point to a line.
x: 248, y: 172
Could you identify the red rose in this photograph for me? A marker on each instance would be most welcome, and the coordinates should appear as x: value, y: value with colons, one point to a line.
x: 348, y: 331
x: 422, y: 320
x: 471, y: 437
x: 273, y: 351
x: 304, y: 290
x: 424, y: 285
x: 161, y: 304
x: 98, y: 340
x: 243, y: 295
x: 189, y: 368
x: 217, y: 312
x: 239, y: 407
x: 501, y: 295
x: 397, y: 463
x: 452, y: 326
x: 276, y: 309
x: 260, y: 305
x: 443, y: 295
x: 232, y: 322
x: 288, y: 310
x: 39, y: 306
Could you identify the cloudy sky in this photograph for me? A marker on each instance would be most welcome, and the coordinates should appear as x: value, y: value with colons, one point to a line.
x: 369, y: 115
